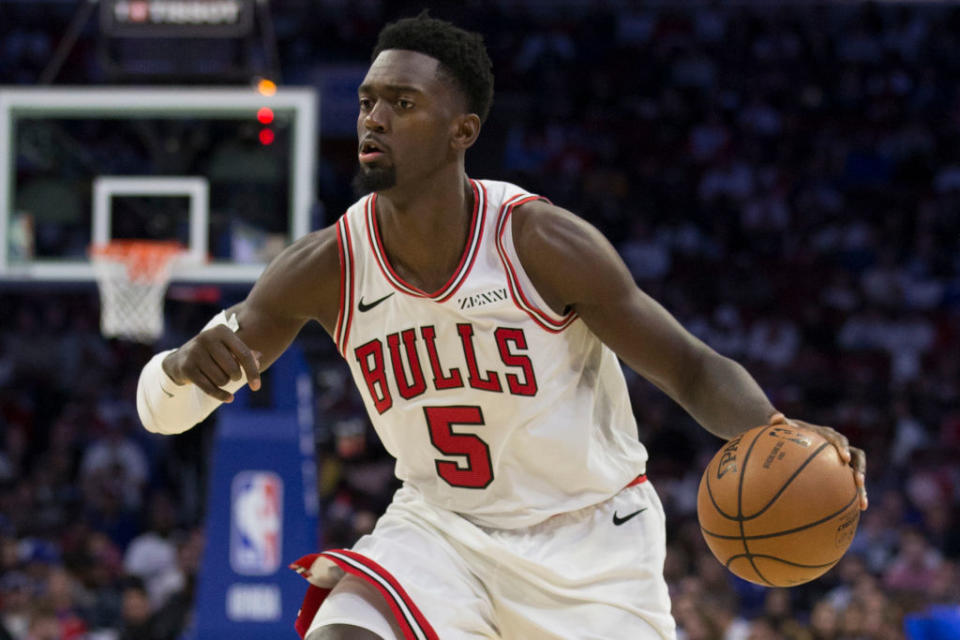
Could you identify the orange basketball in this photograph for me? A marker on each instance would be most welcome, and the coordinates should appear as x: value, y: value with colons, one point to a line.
x: 777, y: 506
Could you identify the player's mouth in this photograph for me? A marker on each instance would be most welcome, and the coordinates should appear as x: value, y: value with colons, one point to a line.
x: 371, y: 150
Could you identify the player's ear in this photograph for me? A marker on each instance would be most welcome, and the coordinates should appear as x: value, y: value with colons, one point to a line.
x: 466, y: 128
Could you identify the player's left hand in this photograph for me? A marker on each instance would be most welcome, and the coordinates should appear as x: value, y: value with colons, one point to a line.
x: 853, y: 456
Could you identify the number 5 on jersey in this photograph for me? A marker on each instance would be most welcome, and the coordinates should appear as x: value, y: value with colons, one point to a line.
x: 478, y: 472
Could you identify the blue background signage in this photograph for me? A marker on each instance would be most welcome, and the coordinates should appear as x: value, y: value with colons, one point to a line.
x: 261, y: 509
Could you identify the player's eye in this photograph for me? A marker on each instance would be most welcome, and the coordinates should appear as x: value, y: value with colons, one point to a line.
x: 366, y: 104
x: 404, y: 104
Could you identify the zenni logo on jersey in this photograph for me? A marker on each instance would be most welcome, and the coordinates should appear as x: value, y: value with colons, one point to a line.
x: 256, y: 522
x: 482, y: 298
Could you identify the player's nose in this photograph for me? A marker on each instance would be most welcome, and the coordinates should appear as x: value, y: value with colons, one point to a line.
x: 377, y: 118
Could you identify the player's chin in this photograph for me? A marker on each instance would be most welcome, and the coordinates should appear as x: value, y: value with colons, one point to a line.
x: 370, y: 178
x: 376, y: 166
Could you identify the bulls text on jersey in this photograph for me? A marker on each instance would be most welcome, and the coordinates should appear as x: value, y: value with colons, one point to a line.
x: 519, y: 378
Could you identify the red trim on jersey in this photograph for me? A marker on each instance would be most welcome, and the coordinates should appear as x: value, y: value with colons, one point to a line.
x: 537, y: 314
x: 479, y: 205
x: 345, y: 314
x: 638, y: 480
x: 373, y: 238
x: 341, y: 312
x: 413, y: 623
x: 352, y: 274
x: 467, y: 258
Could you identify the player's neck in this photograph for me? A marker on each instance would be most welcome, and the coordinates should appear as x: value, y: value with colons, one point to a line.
x: 424, y: 230
x: 434, y: 196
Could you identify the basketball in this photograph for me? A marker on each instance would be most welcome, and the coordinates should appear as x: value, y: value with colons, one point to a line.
x: 778, y: 506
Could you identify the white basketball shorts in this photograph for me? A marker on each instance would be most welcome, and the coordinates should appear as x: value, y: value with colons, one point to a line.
x: 591, y: 574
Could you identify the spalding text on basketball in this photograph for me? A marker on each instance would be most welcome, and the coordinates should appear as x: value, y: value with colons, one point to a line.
x: 728, y: 461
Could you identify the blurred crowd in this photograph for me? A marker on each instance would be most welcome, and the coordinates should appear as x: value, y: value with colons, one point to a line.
x: 784, y: 178
x: 100, y: 534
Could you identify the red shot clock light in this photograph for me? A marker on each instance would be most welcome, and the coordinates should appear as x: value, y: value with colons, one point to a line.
x: 265, y: 115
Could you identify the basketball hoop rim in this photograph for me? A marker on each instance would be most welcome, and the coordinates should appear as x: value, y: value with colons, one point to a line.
x: 147, y: 259
x: 133, y: 247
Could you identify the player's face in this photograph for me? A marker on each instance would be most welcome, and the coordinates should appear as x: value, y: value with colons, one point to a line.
x: 406, y: 121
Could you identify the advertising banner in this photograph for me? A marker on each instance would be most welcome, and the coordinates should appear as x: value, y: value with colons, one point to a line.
x: 261, y: 510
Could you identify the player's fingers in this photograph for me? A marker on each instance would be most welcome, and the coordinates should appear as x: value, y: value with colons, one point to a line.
x: 839, y: 441
x: 859, y: 464
x: 224, y: 359
x: 199, y: 377
x: 246, y: 358
x: 212, y: 370
x: 212, y: 389
x: 859, y: 460
x: 778, y: 419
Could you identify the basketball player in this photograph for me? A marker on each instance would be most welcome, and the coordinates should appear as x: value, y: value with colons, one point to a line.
x: 482, y: 325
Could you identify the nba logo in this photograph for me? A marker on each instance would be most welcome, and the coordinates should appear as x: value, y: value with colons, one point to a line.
x: 256, y: 522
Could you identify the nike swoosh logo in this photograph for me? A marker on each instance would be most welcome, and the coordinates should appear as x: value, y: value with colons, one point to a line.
x: 366, y: 306
x: 617, y: 520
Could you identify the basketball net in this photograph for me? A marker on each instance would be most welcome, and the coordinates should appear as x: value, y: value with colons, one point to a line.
x: 132, y: 276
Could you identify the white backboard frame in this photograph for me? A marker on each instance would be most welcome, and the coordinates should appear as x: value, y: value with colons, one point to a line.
x: 195, y: 188
x: 159, y: 102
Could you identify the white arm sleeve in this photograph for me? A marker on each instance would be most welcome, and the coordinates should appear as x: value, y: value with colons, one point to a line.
x: 168, y: 408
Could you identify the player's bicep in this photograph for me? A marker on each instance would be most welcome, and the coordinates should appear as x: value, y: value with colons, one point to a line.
x: 264, y: 330
x: 647, y: 337
x: 299, y: 285
x: 574, y: 266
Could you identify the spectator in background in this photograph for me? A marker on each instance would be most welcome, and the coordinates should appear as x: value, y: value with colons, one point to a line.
x: 915, y: 567
x: 114, y: 458
x: 721, y: 607
x: 694, y: 622
x: 137, y: 617
x: 63, y: 593
x: 824, y: 622
x: 16, y: 595
x: 43, y: 623
x: 176, y: 613
x: 764, y: 629
x: 152, y: 555
x: 778, y: 611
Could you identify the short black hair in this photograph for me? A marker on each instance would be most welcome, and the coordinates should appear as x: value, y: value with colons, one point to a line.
x: 462, y: 55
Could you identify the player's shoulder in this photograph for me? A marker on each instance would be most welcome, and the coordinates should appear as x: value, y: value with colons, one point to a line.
x: 539, y: 225
x: 317, y: 249
x: 306, y: 268
x: 500, y: 192
x: 523, y: 205
x: 557, y: 249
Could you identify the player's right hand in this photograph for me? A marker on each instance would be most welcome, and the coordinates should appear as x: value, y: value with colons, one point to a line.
x: 853, y: 456
x: 211, y: 359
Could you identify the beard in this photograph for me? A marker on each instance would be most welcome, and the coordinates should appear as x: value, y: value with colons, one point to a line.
x: 372, y: 179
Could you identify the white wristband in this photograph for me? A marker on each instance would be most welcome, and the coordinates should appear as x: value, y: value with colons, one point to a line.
x: 168, y: 408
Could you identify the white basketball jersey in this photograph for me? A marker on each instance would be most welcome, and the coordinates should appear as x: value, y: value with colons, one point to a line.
x: 493, y: 405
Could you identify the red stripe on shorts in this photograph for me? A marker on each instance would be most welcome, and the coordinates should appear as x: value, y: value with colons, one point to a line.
x: 638, y: 480
x: 413, y: 623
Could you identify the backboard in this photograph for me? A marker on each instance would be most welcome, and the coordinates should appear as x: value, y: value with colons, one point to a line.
x: 229, y: 172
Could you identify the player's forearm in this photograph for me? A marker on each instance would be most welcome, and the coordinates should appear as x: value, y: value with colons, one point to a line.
x: 166, y: 407
x: 724, y: 398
